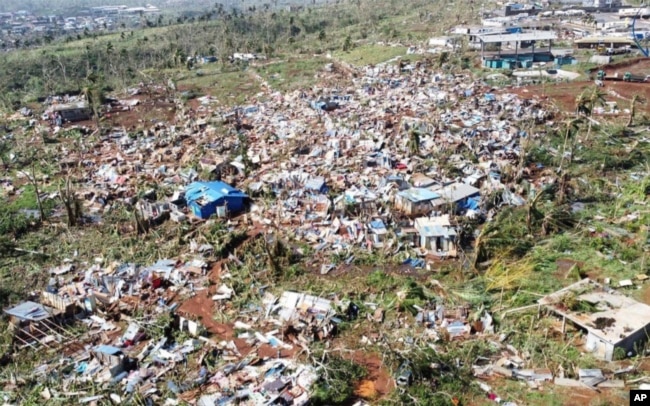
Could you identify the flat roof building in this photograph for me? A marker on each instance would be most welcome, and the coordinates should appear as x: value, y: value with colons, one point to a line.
x: 614, y: 321
x: 524, y: 44
x: 608, y: 41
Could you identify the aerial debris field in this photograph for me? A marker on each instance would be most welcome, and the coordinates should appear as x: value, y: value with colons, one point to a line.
x: 458, y: 221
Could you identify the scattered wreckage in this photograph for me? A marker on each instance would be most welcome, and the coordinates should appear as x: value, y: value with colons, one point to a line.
x: 368, y: 168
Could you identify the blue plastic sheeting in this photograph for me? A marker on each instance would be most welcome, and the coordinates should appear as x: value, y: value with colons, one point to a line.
x: 414, y: 262
x: 204, y: 197
x: 469, y: 203
x: 108, y: 349
x: 210, y: 191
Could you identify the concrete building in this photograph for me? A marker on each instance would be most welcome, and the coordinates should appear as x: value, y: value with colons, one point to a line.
x: 602, y: 3
x: 72, y: 112
x: 607, y: 41
x: 437, y: 236
x: 614, y: 321
x: 525, y: 45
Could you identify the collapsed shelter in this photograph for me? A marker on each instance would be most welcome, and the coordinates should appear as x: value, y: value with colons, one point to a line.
x: 612, y: 320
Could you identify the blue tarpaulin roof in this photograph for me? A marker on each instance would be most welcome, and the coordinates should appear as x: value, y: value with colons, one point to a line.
x: 211, y: 191
x: 470, y: 203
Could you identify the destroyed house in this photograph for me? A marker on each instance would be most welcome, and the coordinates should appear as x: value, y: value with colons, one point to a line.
x: 415, y: 201
x: 293, y: 304
x: 112, y: 358
x: 316, y: 184
x: 612, y: 320
x: 33, y: 323
x: 356, y: 199
x: 458, y: 195
x: 73, y: 112
x: 206, y: 199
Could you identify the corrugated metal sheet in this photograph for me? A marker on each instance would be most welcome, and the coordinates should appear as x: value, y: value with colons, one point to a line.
x: 418, y: 195
x: 31, y: 311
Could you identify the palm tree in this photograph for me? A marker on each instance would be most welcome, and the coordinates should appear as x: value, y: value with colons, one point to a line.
x: 582, y: 104
x: 178, y: 57
x: 570, y: 132
x: 635, y: 99
x: 592, y: 97
x: 596, y: 98
x: 532, y: 212
x: 94, y: 94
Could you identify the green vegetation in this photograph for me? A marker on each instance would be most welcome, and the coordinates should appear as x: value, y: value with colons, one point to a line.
x: 161, y: 52
x: 370, y: 54
x: 336, y: 385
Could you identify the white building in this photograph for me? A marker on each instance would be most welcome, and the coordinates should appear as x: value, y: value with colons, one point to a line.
x: 437, y: 236
x: 616, y: 321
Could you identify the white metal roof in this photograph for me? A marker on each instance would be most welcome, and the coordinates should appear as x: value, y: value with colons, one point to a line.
x: 524, y: 36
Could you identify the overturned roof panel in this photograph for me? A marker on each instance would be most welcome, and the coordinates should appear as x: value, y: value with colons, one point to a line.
x: 108, y: 350
x: 31, y: 311
x: 293, y: 302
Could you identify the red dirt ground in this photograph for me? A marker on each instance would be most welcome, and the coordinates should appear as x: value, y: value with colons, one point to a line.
x: 150, y: 108
x: 378, y: 376
x: 588, y: 397
x: 202, y: 306
x: 564, y: 94
x: 638, y: 66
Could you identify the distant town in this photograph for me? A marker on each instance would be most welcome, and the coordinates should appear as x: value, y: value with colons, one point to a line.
x: 24, y: 26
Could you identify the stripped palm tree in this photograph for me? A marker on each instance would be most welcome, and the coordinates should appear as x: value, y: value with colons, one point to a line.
x: 414, y: 142
x: 532, y: 211
x: 635, y: 99
x: 595, y: 97
x: 571, y: 128
x: 582, y: 104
